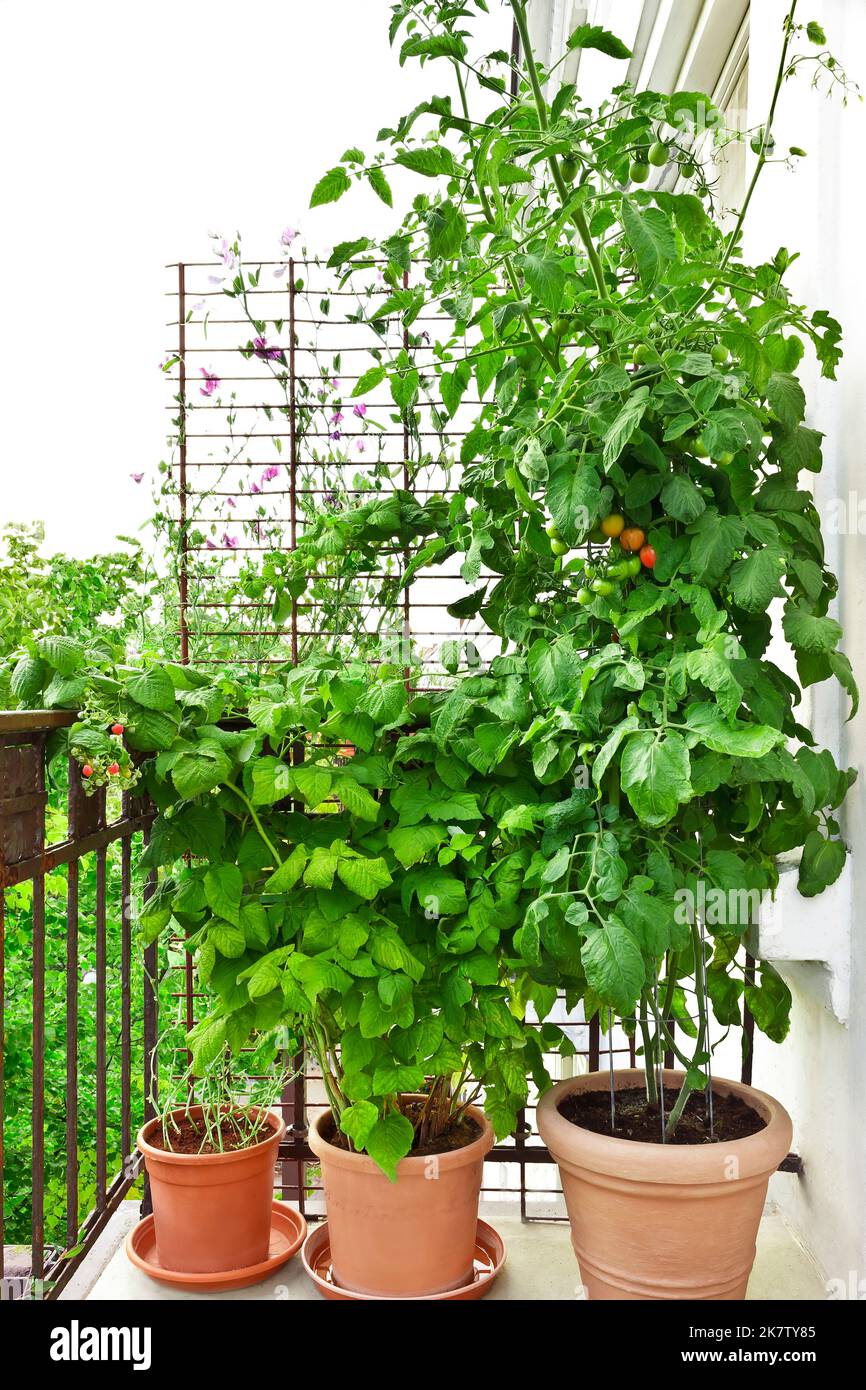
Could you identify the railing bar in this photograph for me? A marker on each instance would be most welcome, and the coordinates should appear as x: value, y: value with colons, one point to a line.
x: 150, y: 1028
x: 72, y: 1054
x: 37, y: 1259
x: 61, y: 1267
x: 101, y: 1064
x: 2, y: 1083
x: 125, y: 997
x: 57, y: 855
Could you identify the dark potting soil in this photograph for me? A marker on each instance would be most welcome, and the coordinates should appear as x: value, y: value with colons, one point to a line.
x: 635, y: 1119
x: 458, y: 1134
x: 189, y: 1137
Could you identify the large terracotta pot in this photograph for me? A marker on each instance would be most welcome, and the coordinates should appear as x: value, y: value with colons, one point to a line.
x: 406, y: 1238
x: 212, y: 1212
x: 654, y: 1221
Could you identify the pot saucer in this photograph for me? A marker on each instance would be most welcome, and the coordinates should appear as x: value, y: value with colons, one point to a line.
x: 489, y: 1259
x: 288, y: 1229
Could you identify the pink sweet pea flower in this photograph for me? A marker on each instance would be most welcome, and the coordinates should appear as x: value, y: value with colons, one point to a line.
x: 254, y: 487
x: 360, y: 410
x: 136, y: 477
x: 231, y: 542
x: 230, y: 502
x: 271, y: 472
x: 265, y: 353
x: 211, y: 382
x: 288, y: 236
x: 337, y: 417
x: 360, y: 446
x: 210, y: 545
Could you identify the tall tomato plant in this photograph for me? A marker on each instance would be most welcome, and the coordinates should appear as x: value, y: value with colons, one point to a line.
x: 631, y: 507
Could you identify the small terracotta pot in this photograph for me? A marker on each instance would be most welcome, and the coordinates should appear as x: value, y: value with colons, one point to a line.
x: 212, y: 1212
x: 655, y: 1221
x: 403, y: 1239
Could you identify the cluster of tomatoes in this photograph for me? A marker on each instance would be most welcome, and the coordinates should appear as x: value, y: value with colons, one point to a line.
x: 115, y: 769
x: 602, y: 579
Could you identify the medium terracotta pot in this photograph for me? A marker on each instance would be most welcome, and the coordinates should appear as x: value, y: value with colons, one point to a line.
x: 408, y: 1238
x: 212, y: 1212
x: 654, y: 1221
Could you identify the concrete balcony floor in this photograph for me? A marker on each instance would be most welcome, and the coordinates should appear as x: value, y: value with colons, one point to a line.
x: 540, y: 1266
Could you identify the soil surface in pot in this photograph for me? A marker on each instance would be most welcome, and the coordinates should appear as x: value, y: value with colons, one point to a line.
x: 458, y: 1134
x: 635, y: 1119
x: 190, y: 1137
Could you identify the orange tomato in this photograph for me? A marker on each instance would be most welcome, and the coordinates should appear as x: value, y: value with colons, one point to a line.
x: 632, y: 538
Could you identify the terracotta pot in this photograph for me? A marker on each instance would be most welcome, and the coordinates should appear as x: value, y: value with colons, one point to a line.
x: 408, y: 1238
x: 212, y: 1212
x: 654, y: 1221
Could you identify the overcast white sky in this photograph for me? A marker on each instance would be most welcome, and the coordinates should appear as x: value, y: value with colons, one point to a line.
x: 130, y: 132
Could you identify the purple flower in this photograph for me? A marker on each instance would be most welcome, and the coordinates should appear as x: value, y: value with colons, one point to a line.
x: 216, y: 279
x: 230, y: 502
x: 335, y: 382
x: 360, y: 446
x: 136, y: 477
x: 337, y: 417
x: 254, y: 487
x: 330, y: 499
x: 280, y: 272
x: 210, y: 545
x: 360, y: 410
x: 211, y: 382
x: 265, y: 353
x: 271, y: 472
x: 230, y: 541
x: 288, y: 236
x: 335, y: 434
x: 227, y: 255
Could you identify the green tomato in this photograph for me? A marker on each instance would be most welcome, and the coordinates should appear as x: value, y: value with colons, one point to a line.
x: 534, y: 611
x: 644, y: 354
x: 568, y: 169
x: 688, y: 169
x: 583, y: 597
x: 559, y: 547
x: 659, y: 154
x: 638, y: 171
x: 597, y: 536
x: 634, y: 566
x: 699, y: 448
x: 553, y: 531
x: 719, y: 354
x: 560, y: 327
x: 619, y: 571
x: 559, y: 609
x: 602, y: 587
x: 725, y: 459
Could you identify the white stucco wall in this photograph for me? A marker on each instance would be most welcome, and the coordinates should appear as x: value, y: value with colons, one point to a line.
x: 820, y: 211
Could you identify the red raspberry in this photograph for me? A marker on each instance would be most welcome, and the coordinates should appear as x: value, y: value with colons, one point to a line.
x: 87, y: 770
x: 113, y: 769
x: 117, y: 728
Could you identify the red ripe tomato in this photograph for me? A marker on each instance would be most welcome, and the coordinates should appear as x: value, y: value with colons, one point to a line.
x: 87, y: 770
x: 632, y: 538
x: 648, y: 557
x: 113, y: 769
x: 117, y: 728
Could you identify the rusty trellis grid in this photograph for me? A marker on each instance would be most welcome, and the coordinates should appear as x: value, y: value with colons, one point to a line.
x: 29, y: 860
x: 311, y: 353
